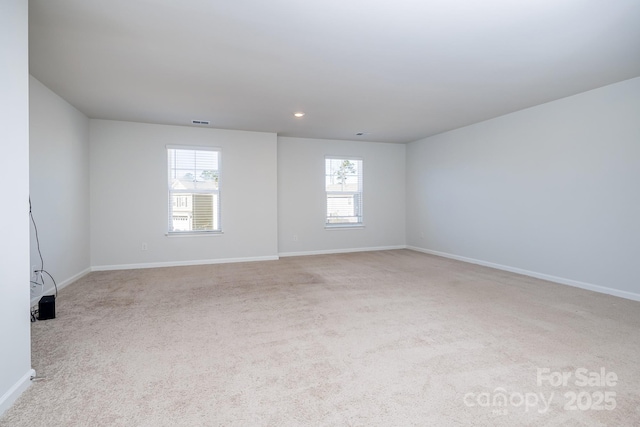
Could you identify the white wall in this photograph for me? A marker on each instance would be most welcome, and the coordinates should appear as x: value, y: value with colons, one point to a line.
x: 301, y: 196
x: 15, y: 356
x: 59, y: 185
x: 129, y: 195
x: 553, y: 190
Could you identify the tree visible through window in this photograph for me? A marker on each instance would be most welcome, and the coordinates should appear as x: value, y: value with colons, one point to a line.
x: 194, y: 189
x: 343, y: 185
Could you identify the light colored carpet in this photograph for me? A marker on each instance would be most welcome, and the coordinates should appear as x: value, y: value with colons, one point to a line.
x: 392, y: 338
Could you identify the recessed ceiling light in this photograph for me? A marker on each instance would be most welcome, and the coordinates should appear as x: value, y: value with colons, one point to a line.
x: 299, y: 114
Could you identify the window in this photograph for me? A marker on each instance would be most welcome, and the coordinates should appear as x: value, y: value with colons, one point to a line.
x: 343, y: 184
x: 194, y: 189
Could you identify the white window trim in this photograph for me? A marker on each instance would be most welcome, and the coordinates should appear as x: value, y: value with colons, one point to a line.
x: 344, y: 226
x: 205, y: 233
x: 195, y: 233
x: 353, y: 226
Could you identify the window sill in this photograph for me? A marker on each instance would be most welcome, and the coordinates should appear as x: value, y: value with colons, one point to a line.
x: 195, y: 234
x: 343, y: 226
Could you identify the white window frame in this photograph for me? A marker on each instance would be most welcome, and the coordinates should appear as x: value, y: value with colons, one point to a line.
x: 358, y: 195
x: 217, y: 219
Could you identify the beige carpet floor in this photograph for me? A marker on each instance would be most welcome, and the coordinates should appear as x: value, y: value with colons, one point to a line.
x: 391, y: 338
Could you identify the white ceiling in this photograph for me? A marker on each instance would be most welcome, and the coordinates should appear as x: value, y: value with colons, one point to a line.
x: 399, y: 70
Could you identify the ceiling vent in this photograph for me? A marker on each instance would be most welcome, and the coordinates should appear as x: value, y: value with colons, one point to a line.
x: 200, y: 122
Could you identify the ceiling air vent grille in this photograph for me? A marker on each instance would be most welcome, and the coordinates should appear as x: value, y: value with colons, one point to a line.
x: 200, y: 122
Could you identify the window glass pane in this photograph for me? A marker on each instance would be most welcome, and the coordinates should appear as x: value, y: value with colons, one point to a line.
x: 343, y: 184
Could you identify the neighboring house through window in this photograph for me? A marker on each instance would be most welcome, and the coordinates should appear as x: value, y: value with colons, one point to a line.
x: 343, y: 185
x: 194, y: 189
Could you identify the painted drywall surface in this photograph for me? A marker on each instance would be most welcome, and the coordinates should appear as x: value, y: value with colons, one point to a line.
x: 15, y: 356
x: 553, y: 189
x: 301, y: 196
x: 129, y: 194
x: 59, y: 184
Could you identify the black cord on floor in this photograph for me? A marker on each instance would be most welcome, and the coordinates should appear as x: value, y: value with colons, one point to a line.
x: 34, y: 312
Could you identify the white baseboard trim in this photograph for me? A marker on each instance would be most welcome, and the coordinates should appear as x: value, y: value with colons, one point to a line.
x: 555, y: 279
x: 181, y: 263
x: 342, y: 251
x: 50, y: 289
x: 15, y: 391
